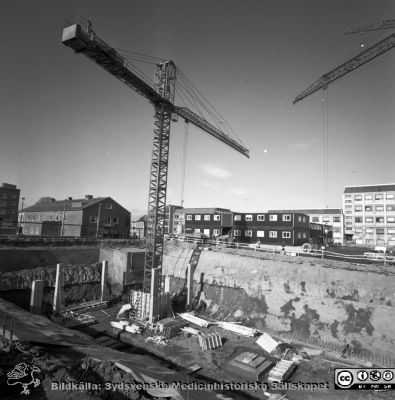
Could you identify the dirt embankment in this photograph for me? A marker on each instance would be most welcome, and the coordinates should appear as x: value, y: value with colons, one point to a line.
x: 331, y: 301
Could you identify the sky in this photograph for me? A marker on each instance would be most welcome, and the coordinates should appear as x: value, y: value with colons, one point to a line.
x: 69, y: 128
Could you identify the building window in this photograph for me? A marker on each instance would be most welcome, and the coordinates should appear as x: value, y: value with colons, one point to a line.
x: 116, y: 220
x: 248, y: 217
x: 326, y: 220
x: 108, y: 206
x: 273, y: 217
x: 207, y: 218
x: 390, y: 196
x: 391, y: 220
x: 369, y: 231
x: 248, y: 233
x: 358, y: 197
x: 358, y: 208
x: 272, y: 234
x: 379, y: 208
x: 93, y: 219
x: 216, y: 232
x: 304, y: 235
x: 51, y: 217
x: 316, y: 219
x: 206, y: 232
x: 286, y: 235
x: 260, y: 217
x: 336, y: 219
x: 260, y: 234
x: 380, y: 231
x: 237, y: 218
x: 358, y: 220
x: 369, y: 220
x: 390, y: 208
x: 368, y: 197
x: 37, y: 230
x: 368, y: 208
x: 189, y: 217
x: 391, y: 231
x: 287, y: 217
x: 108, y: 221
x: 197, y: 230
x: 176, y: 216
x: 380, y: 220
x: 378, y: 196
x: 217, y: 217
x: 197, y: 217
x: 236, y: 232
x: 347, y: 201
x: 358, y: 230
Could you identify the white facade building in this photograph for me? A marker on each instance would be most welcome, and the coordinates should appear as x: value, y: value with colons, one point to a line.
x: 369, y: 213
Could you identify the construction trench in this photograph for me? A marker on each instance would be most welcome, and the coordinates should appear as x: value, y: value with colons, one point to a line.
x: 310, y: 314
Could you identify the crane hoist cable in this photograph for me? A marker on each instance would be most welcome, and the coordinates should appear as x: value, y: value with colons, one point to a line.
x: 184, y: 160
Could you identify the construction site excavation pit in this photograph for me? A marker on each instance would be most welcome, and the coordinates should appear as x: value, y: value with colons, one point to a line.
x: 301, y: 317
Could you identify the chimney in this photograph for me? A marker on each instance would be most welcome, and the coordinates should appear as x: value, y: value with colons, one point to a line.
x: 88, y: 197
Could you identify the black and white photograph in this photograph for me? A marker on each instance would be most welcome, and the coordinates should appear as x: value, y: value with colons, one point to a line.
x: 197, y: 200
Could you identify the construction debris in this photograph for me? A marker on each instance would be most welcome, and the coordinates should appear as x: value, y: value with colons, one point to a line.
x: 267, y: 343
x: 249, y: 365
x: 195, y: 320
x: 282, y: 371
x: 158, y: 340
x: 169, y: 327
x: 239, y: 329
x: 125, y: 326
x: 190, y: 330
x: 210, y: 341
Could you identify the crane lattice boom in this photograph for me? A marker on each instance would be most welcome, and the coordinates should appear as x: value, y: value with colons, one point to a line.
x: 82, y: 39
x: 360, y: 59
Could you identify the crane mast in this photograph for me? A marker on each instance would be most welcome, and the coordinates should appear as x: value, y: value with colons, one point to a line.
x: 80, y: 37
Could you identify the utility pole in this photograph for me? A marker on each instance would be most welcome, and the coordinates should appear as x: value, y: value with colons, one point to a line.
x: 63, y: 220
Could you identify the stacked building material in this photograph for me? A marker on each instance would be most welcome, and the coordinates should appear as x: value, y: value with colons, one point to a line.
x: 195, y: 320
x: 249, y: 365
x: 239, y: 329
x: 124, y: 326
x: 169, y: 327
x: 282, y: 371
x: 210, y: 341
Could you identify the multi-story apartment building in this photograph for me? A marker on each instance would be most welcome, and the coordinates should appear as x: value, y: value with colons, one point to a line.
x: 9, y: 200
x: 207, y: 221
x: 168, y: 224
x: 290, y: 229
x: 333, y: 217
x: 88, y: 217
x: 370, y: 214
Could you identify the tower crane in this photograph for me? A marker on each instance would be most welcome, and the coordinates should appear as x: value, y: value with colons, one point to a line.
x: 357, y: 61
x: 81, y: 37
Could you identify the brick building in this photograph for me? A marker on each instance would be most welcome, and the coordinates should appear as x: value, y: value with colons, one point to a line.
x: 9, y: 200
x: 290, y: 229
x: 207, y: 221
x: 87, y: 217
x: 333, y: 217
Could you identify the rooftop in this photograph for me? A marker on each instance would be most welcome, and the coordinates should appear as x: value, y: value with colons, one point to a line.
x: 311, y: 211
x: 389, y: 187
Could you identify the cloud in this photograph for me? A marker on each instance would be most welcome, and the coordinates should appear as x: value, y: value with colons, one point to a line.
x: 212, y: 170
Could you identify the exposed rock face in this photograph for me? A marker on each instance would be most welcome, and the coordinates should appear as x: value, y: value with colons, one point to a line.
x: 334, y: 301
x: 73, y: 274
